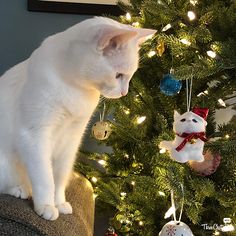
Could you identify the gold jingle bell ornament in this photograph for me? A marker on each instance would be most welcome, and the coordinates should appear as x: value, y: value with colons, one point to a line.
x: 101, y: 130
x: 175, y: 228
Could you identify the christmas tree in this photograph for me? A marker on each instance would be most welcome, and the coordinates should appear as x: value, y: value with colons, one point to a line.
x: 195, y: 41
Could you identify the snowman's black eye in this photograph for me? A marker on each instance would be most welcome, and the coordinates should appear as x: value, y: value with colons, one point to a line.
x: 119, y: 75
x: 182, y: 120
x: 195, y: 121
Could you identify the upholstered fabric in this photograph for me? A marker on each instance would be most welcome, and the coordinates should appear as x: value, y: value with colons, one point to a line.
x: 17, y: 217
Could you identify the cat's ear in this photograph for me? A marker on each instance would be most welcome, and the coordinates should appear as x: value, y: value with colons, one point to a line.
x: 112, y: 37
x: 176, y: 115
x: 144, y: 34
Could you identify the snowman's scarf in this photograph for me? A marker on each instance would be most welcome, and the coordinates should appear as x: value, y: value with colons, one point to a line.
x: 188, y: 137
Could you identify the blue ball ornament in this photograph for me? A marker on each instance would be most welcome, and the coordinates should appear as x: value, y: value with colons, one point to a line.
x: 169, y: 85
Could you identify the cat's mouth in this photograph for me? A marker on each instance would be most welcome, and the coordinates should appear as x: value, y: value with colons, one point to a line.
x: 111, y: 96
x: 110, y: 93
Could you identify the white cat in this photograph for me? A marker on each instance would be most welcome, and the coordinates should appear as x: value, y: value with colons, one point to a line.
x: 47, y: 101
x: 189, y: 139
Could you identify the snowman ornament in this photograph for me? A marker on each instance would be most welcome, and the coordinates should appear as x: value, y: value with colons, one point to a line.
x: 189, y: 139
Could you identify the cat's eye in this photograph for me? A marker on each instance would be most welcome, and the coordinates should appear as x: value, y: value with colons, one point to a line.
x: 119, y: 75
x: 182, y: 120
x: 195, y: 121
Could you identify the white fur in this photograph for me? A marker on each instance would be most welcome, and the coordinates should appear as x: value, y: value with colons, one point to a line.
x: 190, y: 151
x: 47, y: 101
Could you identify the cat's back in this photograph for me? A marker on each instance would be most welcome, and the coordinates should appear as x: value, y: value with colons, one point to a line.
x: 12, y: 81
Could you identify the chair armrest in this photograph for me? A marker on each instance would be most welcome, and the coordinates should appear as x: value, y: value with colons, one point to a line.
x: 17, y: 216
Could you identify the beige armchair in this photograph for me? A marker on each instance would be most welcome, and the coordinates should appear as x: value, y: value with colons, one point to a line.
x: 17, y: 217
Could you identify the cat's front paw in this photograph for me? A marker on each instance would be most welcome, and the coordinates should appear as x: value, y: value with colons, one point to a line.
x: 65, y: 208
x: 19, y: 192
x: 48, y: 212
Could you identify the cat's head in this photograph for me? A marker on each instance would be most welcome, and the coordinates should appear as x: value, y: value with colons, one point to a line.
x: 188, y: 122
x: 104, y: 55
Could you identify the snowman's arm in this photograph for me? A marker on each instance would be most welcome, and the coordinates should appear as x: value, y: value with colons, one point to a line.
x: 165, y: 144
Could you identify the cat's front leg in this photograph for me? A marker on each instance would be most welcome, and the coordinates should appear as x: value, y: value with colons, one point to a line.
x: 64, y: 158
x: 34, y: 148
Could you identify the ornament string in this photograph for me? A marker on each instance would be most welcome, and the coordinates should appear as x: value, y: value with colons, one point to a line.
x: 173, y: 209
x: 102, y: 115
x: 182, y: 205
x: 189, y: 92
x: 173, y: 204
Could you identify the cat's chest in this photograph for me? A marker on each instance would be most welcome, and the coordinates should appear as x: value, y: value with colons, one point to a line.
x: 78, y: 103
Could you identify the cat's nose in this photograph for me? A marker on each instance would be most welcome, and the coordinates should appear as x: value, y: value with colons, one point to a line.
x: 123, y: 93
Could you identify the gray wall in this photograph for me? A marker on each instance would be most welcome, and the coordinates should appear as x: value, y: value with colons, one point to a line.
x: 22, y: 31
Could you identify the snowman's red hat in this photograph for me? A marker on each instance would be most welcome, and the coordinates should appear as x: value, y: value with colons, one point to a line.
x: 202, y: 112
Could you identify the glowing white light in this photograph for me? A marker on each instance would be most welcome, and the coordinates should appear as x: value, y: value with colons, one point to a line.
x: 227, y: 228
x: 141, y: 119
x: 221, y: 102
x: 200, y: 94
x: 193, y: 2
x: 203, y: 93
x: 136, y: 24
x: 162, y: 150
x: 217, y: 233
x: 227, y: 136
x: 211, y: 54
x: 161, y: 193
x: 127, y: 111
x: 185, y: 41
x: 128, y: 16
x: 133, y: 183
x: 166, y: 27
x: 102, y: 162
x: 126, y: 156
x: 191, y: 15
x: 127, y: 221
x: 170, y: 212
x: 123, y: 194
x: 151, y: 54
x: 94, y: 196
x: 140, y: 223
x: 94, y: 179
